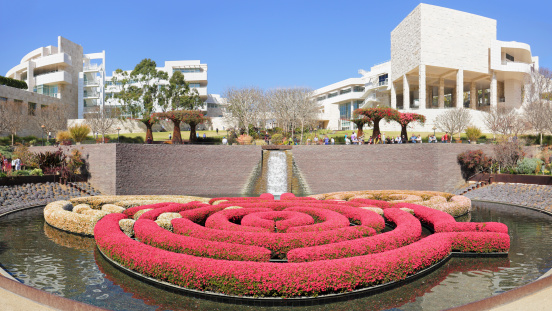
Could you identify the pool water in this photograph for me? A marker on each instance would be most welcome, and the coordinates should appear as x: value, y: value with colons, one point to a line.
x: 70, y: 266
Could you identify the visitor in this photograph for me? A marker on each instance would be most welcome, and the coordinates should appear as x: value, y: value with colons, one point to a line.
x: 224, y: 141
x: 308, y: 141
x: 149, y: 140
x: 17, y: 163
x: 383, y: 141
x: 333, y: 141
x: 354, y: 138
x: 170, y: 136
x: 204, y: 136
x: 347, y: 140
x: 326, y: 140
x: 370, y: 141
x: 316, y: 140
x: 8, y: 166
x: 49, y: 135
x: 444, y: 139
x: 290, y: 141
x: 413, y: 139
x: 217, y: 130
x: 419, y: 139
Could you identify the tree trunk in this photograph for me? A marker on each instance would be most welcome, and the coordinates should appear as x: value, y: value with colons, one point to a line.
x: 149, y: 133
x: 360, y: 131
x: 376, y: 129
x: 403, y: 131
x: 193, y: 132
x: 177, y: 136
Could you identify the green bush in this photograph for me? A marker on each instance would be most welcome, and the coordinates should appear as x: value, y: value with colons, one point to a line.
x: 36, y: 172
x: 473, y: 133
x: 79, y: 132
x: 2, y: 174
x: 13, y: 83
x: 277, y: 139
x: 529, y: 166
x: 20, y: 173
x: 131, y: 140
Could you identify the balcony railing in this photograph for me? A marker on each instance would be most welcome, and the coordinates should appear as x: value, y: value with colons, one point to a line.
x: 91, y: 83
x: 92, y: 67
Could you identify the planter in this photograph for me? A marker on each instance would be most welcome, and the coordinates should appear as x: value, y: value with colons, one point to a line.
x: 513, y: 178
x: 20, y: 180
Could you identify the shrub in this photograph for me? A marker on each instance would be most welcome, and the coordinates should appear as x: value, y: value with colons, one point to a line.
x: 36, y: 172
x: 529, y: 166
x: 2, y: 174
x: 473, y: 162
x: 21, y: 173
x: 473, y: 133
x: 27, y: 158
x: 277, y: 139
x: 13, y: 83
x: 245, y: 139
x: 63, y: 135
x: 508, y: 153
x: 79, y: 132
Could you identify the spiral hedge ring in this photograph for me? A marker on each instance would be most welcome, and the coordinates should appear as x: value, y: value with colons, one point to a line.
x: 331, y: 246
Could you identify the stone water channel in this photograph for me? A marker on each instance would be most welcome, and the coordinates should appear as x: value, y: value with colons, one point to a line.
x: 69, y: 265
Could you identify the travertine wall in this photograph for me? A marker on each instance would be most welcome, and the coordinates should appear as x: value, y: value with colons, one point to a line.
x: 441, y: 37
x: 406, y: 44
x: 456, y: 39
x: 12, y: 94
x: 70, y: 93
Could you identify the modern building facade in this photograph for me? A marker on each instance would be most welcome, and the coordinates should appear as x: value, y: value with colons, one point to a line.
x: 440, y: 58
x: 61, y: 72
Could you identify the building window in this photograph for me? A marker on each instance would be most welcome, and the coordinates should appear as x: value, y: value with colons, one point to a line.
x: 345, y: 91
x: 195, y: 85
x: 187, y: 70
x: 345, y: 111
x: 358, y: 89
x: 50, y: 90
x: 32, y: 109
x: 321, y: 98
x: 357, y: 104
x: 509, y: 57
x: 332, y: 95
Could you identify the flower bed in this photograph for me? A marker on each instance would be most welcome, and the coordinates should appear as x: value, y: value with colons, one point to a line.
x: 331, y: 245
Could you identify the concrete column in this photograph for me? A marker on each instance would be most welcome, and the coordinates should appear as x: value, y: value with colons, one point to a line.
x: 460, y: 89
x: 393, y: 96
x: 441, y: 93
x: 429, y: 95
x: 493, y: 91
x: 422, y: 89
x: 406, y: 94
x: 473, y: 96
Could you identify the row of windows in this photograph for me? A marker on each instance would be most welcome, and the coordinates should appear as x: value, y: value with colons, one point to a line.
x: 187, y: 70
x: 346, y: 110
x: 50, y: 90
x: 344, y: 91
x: 30, y: 105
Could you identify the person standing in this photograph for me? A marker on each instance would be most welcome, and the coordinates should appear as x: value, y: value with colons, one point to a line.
x: 332, y: 141
x: 224, y: 141
x: 17, y: 164
x: 383, y: 138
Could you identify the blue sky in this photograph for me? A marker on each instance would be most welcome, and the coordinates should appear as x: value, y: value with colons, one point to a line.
x: 248, y: 43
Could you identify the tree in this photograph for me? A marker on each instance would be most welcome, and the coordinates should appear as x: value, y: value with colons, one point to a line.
x: 360, y: 121
x: 537, y: 110
x: 53, y: 117
x: 12, y: 117
x: 505, y: 122
x: 140, y: 93
x: 376, y: 115
x: 242, y: 106
x: 101, y: 120
x: 453, y: 121
x: 190, y: 117
x: 176, y: 96
x: 405, y: 118
x: 293, y: 107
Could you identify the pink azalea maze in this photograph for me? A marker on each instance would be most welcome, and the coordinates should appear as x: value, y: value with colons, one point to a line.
x: 331, y: 246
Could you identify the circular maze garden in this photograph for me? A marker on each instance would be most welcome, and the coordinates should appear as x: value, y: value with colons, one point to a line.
x: 293, y: 248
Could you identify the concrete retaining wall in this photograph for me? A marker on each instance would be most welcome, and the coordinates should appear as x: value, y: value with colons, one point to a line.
x: 225, y: 170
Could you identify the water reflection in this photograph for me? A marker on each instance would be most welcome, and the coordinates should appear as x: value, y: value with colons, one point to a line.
x: 69, y: 265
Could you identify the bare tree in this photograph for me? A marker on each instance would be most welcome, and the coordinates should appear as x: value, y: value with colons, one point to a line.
x: 101, y: 120
x: 53, y: 117
x: 243, y: 106
x: 505, y: 122
x: 537, y: 109
x: 12, y: 117
x: 453, y: 121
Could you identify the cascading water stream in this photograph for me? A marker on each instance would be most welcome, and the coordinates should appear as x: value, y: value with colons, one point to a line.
x: 276, y: 181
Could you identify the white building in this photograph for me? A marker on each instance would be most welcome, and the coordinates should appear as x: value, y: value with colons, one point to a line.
x: 440, y: 58
x: 61, y: 72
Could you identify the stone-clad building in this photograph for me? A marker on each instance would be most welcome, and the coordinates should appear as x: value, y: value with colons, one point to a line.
x: 440, y: 58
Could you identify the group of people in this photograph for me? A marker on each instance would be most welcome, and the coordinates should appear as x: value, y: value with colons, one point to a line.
x: 379, y: 139
x: 8, y: 165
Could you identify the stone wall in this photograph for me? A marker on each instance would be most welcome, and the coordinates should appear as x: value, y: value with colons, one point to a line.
x: 226, y: 170
x: 368, y: 167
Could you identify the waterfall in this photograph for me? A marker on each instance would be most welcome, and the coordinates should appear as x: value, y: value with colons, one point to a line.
x: 276, y: 182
